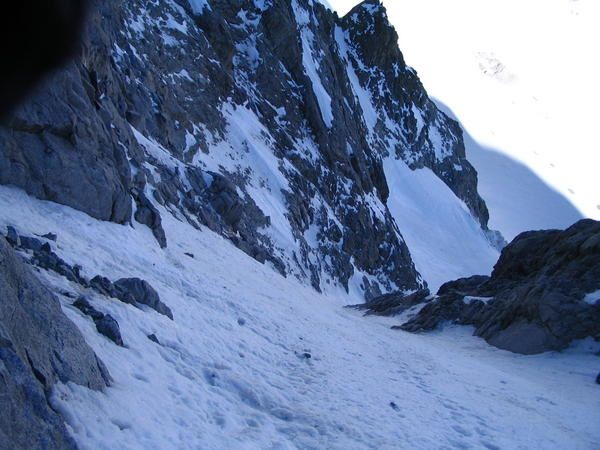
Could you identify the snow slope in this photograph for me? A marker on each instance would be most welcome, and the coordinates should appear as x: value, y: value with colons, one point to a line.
x: 445, y: 241
x: 522, y: 79
x: 231, y: 370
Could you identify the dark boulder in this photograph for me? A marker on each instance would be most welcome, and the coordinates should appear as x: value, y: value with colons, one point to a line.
x: 84, y: 306
x: 464, y: 286
x: 598, y: 379
x: 142, y: 293
x: 33, y: 244
x: 109, y: 327
x: 105, y: 323
x: 394, y: 303
x: 103, y: 285
x: 147, y: 214
x: 449, y: 305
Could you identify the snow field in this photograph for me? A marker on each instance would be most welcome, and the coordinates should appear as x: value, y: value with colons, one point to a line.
x: 233, y: 371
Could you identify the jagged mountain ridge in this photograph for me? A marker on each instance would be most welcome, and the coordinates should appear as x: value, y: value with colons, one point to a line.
x: 267, y: 121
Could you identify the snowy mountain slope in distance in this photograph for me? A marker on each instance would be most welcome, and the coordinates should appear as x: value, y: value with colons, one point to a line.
x: 522, y: 78
x: 255, y: 360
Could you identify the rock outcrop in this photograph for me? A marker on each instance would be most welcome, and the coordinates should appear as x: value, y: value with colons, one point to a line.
x: 543, y: 294
x: 39, y: 347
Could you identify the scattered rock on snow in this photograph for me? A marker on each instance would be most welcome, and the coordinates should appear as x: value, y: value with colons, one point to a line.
x: 128, y: 290
x: 84, y: 306
x: 44, y: 257
x: 109, y: 327
x: 47, y: 259
x: 26, y: 242
x: 142, y: 293
x: 153, y: 338
x: 105, y: 323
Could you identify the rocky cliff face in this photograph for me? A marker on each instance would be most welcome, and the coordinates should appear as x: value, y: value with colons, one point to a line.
x: 267, y: 121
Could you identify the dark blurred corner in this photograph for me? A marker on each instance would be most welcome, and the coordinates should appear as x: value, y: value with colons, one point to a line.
x: 36, y: 38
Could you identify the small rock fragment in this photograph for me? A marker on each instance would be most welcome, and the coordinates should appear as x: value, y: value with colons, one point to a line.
x: 109, y: 327
x: 153, y: 338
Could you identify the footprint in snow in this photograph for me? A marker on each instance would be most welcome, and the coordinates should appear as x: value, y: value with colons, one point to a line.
x: 462, y: 431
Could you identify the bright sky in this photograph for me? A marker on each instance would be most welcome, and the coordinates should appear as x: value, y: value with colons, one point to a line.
x: 541, y: 109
